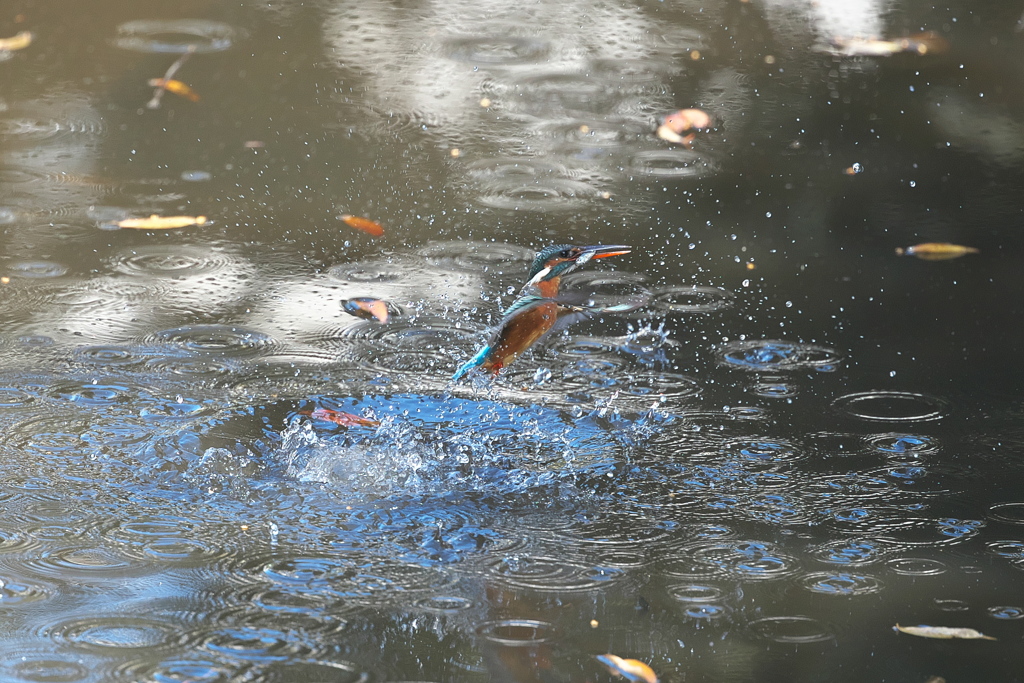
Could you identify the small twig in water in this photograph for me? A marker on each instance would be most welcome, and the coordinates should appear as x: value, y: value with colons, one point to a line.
x: 173, y: 69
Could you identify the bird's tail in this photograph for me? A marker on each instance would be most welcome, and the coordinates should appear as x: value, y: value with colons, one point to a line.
x: 474, y: 362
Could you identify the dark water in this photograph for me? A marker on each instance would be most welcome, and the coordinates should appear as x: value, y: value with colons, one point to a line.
x: 798, y: 441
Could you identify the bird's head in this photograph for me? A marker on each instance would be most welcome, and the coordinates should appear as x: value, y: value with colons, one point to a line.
x: 557, y: 260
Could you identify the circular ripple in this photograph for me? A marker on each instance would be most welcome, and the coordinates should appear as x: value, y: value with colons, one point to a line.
x: 220, y: 339
x: 1012, y: 549
x: 194, y: 368
x: 175, y: 36
x: 1011, y: 513
x: 706, y: 612
x: 648, y: 385
x: 496, y: 50
x: 352, y: 578
x: 951, y: 605
x: 94, y: 394
x: 473, y: 254
x: 177, y: 670
x: 892, y: 406
x: 581, y: 347
x: 45, y: 667
x: 775, y: 355
x: 672, y: 163
x: 559, y: 93
x: 791, y: 630
x: 11, y: 397
x: 541, y: 194
x: 446, y: 604
x: 256, y: 644
x: 172, y: 261
x: 1006, y: 612
x: 916, y: 566
x: 692, y: 299
x: 849, y: 552
x: 516, y: 632
x: 37, y: 269
x: 695, y: 593
x: 86, y: 562
x: 902, y: 444
x: 106, y: 355
x: 312, y: 671
x: 623, y: 72
x: 614, y: 292
x: 840, y: 584
x: 552, y: 574
x: 51, y: 435
x: 114, y: 634
x: 747, y: 559
x: 16, y: 592
x: 773, y: 389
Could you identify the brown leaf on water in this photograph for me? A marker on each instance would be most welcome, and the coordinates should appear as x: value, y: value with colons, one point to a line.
x: 16, y: 42
x: 176, y: 87
x: 340, y: 418
x: 155, y: 222
x: 942, y: 632
x: 633, y: 670
x: 372, y: 228
x: 937, y: 251
x: 365, y: 307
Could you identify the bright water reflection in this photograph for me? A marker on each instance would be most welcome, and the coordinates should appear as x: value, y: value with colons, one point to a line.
x: 784, y: 442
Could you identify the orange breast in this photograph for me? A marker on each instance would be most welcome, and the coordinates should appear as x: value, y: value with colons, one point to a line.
x: 520, y: 333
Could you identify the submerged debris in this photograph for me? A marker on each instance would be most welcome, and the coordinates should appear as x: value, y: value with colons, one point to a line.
x: 155, y: 222
x: 936, y: 251
x: 674, y: 125
x: 17, y: 42
x: 162, y: 84
x: 928, y: 42
x: 942, y: 632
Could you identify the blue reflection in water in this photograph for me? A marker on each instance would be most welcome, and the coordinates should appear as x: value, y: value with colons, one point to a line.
x: 431, y: 483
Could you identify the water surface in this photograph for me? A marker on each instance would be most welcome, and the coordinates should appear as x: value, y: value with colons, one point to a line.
x: 792, y: 441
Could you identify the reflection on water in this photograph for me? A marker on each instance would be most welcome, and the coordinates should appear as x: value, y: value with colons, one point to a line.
x: 775, y: 442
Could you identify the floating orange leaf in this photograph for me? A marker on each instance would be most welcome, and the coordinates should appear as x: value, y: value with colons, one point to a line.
x: 631, y: 669
x: 920, y: 43
x: 16, y: 42
x: 340, y: 418
x: 372, y: 228
x: 365, y: 307
x: 936, y: 251
x: 156, y: 222
x: 176, y: 87
x: 942, y: 632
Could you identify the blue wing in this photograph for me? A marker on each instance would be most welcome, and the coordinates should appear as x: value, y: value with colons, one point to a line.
x: 520, y: 304
x: 474, y: 362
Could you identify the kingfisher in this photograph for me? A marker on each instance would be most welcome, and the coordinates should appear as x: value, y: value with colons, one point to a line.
x: 538, y: 306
